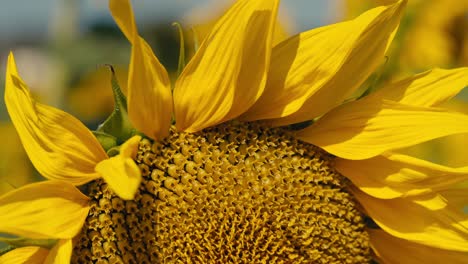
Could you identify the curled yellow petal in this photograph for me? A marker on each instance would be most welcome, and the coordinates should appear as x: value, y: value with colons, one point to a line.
x: 366, y: 128
x: 59, y: 145
x: 50, y: 209
x: 392, y: 250
x: 149, y: 92
x: 425, y: 89
x: 25, y: 255
x: 395, y: 175
x: 60, y: 253
x: 437, y: 225
x: 316, y: 70
x: 121, y: 172
x: 228, y: 73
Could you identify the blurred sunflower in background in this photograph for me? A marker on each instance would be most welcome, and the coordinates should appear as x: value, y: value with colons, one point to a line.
x: 433, y: 33
x: 14, y: 161
x: 436, y: 38
x: 258, y: 154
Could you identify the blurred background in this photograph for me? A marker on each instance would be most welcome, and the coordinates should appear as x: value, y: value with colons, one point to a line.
x: 61, y: 45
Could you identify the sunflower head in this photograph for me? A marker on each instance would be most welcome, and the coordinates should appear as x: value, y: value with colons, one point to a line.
x: 235, y: 192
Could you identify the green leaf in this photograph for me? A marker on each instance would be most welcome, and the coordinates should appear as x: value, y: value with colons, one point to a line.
x: 113, y: 151
x: 117, y: 124
x: 181, y: 65
x: 6, y: 249
x: 196, y: 43
x: 107, y: 141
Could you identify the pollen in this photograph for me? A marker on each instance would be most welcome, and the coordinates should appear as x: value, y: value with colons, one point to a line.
x: 234, y: 193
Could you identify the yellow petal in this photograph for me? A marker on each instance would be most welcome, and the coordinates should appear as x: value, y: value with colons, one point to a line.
x: 453, y: 200
x: 25, y: 255
x: 59, y: 145
x: 316, y: 70
x: 456, y: 197
x: 149, y: 91
x: 366, y: 128
x: 426, y: 89
x: 395, y: 175
x: 122, y: 13
x: 228, y: 73
x: 50, y: 209
x: 392, y: 250
x: 60, y: 253
x: 444, y: 228
x: 121, y: 172
x: 203, y: 23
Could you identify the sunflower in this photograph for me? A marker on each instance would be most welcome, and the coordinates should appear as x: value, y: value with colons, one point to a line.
x: 446, y: 32
x: 258, y: 155
x: 13, y: 160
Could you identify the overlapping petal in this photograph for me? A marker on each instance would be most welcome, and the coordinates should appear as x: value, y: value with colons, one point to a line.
x: 60, y: 253
x: 59, y: 145
x: 316, y: 70
x: 228, y: 72
x: 149, y: 92
x: 50, y: 209
x: 392, y: 250
x: 395, y: 175
x: 430, y: 220
x: 25, y: 255
x: 121, y: 172
x: 366, y: 128
x: 429, y: 88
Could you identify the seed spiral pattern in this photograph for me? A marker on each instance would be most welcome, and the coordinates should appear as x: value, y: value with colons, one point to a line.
x: 234, y: 193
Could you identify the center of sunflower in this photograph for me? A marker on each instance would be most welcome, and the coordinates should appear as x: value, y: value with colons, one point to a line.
x: 234, y: 193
